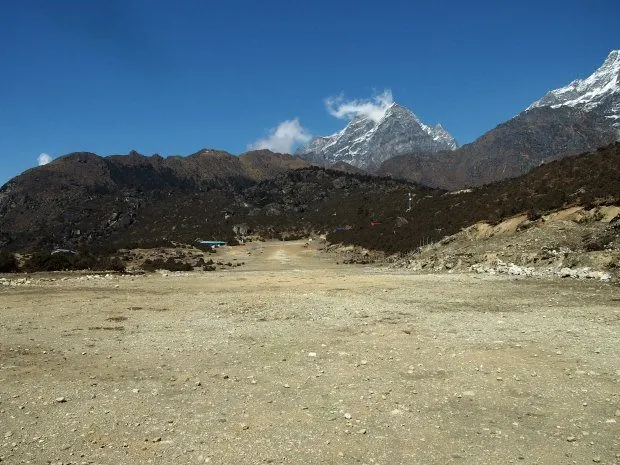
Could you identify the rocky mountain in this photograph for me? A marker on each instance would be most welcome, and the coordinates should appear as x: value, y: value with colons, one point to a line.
x: 574, y: 119
x: 85, y: 198
x: 599, y: 93
x: 515, y: 147
x: 366, y: 142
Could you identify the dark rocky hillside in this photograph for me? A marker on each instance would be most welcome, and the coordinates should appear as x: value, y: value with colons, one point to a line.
x: 82, y: 198
x: 103, y: 204
x: 511, y: 149
x: 372, y: 212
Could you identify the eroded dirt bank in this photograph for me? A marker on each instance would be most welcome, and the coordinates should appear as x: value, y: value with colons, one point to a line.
x: 294, y: 359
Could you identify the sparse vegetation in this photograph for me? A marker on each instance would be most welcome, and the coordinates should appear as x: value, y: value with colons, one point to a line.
x: 350, y: 208
x: 170, y: 264
x: 8, y: 263
x: 41, y: 261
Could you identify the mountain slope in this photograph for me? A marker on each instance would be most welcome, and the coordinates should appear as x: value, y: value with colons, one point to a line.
x: 86, y: 205
x: 567, y: 121
x: 599, y: 93
x: 85, y: 198
x: 365, y: 142
x: 511, y: 149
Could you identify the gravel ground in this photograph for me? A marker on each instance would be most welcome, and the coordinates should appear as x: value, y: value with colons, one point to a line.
x: 294, y: 359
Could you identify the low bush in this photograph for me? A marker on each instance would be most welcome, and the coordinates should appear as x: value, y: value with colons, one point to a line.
x: 41, y: 261
x: 170, y: 264
x: 8, y: 263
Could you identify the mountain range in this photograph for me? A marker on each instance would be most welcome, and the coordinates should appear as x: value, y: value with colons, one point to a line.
x: 579, y: 117
x: 105, y: 203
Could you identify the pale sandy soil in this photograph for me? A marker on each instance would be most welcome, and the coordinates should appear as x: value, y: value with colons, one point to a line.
x: 294, y: 359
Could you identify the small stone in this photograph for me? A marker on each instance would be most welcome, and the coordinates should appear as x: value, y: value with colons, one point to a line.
x: 286, y: 385
x: 157, y: 439
x: 618, y: 413
x: 596, y: 459
x: 362, y: 431
x: 61, y: 400
x: 135, y: 391
x: 311, y: 354
x: 244, y: 426
x: 348, y: 416
x: 571, y: 438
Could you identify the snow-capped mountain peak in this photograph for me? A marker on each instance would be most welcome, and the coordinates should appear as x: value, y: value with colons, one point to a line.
x: 599, y: 92
x: 366, y: 142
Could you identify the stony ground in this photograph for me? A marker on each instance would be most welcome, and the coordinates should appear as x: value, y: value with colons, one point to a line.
x: 572, y: 243
x: 294, y: 359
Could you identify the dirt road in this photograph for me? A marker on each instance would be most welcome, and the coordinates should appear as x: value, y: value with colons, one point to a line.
x: 294, y: 359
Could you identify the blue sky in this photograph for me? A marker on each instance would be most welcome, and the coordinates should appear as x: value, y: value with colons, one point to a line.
x: 174, y: 77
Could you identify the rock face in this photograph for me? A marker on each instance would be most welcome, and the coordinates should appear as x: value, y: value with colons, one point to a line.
x: 577, y: 118
x: 598, y: 94
x: 366, y: 142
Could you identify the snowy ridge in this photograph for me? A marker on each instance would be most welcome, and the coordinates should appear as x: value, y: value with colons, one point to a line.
x: 366, y: 142
x: 600, y: 92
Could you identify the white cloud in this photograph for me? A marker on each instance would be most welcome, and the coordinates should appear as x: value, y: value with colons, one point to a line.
x: 373, y: 108
x: 282, y: 138
x: 44, y: 159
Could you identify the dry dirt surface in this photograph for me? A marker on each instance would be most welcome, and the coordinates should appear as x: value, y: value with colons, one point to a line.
x: 295, y: 359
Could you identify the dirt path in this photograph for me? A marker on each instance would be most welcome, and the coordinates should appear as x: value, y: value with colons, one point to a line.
x: 294, y: 359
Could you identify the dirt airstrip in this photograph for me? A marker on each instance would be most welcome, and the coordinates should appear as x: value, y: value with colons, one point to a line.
x: 293, y: 358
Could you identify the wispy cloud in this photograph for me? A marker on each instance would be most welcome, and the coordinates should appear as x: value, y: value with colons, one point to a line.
x: 373, y: 108
x: 44, y: 159
x: 283, y: 138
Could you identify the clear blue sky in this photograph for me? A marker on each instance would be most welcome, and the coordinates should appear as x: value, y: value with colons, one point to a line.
x: 173, y: 77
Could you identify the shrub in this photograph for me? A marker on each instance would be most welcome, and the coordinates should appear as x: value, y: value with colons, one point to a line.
x: 8, y: 263
x: 41, y: 261
x: 533, y: 214
x: 170, y: 265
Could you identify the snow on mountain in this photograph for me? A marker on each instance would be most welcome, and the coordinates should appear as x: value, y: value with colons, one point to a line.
x: 367, y: 142
x: 599, y: 93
